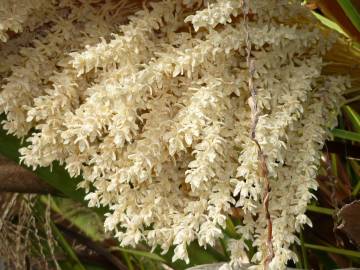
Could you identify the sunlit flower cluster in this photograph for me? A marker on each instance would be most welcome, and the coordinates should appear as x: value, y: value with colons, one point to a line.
x: 154, y: 112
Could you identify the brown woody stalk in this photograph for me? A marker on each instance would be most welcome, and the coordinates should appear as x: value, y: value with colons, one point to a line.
x: 263, y: 170
x: 15, y: 178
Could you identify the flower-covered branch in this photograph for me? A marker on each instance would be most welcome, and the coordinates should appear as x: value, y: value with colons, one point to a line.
x: 155, y: 109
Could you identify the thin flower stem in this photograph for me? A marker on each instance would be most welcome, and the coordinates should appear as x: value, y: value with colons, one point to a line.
x: 351, y: 100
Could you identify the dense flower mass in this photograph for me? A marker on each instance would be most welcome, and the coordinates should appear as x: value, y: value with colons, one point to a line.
x: 155, y: 112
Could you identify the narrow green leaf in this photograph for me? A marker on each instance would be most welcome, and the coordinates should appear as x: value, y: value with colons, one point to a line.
x: 347, y: 135
x: 332, y: 25
x: 351, y: 12
x: 67, y: 248
x: 128, y: 260
x: 346, y: 252
x: 303, y: 251
x: 320, y: 210
x: 298, y: 264
x: 353, y: 116
x: 356, y: 168
x: 141, y: 265
x: 223, y: 243
x: 231, y: 229
x: 334, y: 164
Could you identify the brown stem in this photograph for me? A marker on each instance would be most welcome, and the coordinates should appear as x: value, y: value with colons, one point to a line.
x: 264, y: 173
x: 15, y: 178
x: 263, y: 170
x: 95, y: 246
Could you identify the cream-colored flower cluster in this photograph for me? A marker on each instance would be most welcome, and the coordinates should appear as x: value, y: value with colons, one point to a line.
x: 14, y: 14
x: 154, y: 113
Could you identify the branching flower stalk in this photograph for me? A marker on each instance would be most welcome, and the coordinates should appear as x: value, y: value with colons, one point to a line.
x: 264, y: 173
x: 155, y: 113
